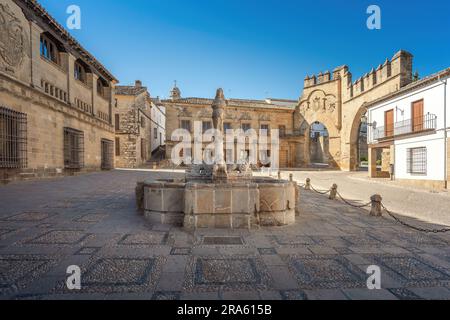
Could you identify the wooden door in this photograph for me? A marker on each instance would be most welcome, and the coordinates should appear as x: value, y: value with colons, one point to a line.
x: 389, y: 123
x: 417, y: 116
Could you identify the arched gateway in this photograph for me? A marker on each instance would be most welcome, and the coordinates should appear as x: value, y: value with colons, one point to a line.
x: 338, y: 103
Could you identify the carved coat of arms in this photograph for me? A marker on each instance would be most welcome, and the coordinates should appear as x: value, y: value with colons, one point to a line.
x: 12, y: 38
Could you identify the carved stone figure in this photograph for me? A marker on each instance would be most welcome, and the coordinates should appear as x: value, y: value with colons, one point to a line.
x: 12, y: 38
x: 218, y: 107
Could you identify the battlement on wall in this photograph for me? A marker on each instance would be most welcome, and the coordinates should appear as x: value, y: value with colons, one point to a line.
x: 399, y: 65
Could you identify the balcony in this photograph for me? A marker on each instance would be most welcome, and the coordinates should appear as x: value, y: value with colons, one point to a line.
x: 424, y: 123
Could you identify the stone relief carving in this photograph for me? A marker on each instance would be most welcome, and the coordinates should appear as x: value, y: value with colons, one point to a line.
x: 318, y: 101
x: 264, y: 117
x: 12, y: 38
x: 245, y: 116
x: 204, y: 113
x: 184, y: 112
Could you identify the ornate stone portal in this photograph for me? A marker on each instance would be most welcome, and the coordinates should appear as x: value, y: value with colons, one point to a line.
x: 221, y: 196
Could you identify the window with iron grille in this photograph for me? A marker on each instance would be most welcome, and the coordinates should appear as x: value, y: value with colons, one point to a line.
x: 107, y: 154
x: 13, y: 139
x: 73, y: 149
x: 417, y: 160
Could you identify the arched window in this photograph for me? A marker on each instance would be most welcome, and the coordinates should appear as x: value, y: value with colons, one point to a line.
x: 48, y: 48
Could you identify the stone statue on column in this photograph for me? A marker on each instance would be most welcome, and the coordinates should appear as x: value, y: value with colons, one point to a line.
x: 218, y: 106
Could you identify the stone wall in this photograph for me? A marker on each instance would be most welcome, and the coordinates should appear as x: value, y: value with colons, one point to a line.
x: 135, y: 129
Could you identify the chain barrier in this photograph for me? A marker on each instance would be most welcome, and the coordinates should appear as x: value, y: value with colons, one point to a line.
x: 323, y: 192
x: 398, y: 220
x: 414, y: 227
x: 351, y: 204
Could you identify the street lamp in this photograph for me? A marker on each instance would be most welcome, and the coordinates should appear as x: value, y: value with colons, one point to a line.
x: 364, y: 119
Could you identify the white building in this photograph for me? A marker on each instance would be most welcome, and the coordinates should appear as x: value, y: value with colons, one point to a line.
x: 158, y: 124
x: 411, y: 127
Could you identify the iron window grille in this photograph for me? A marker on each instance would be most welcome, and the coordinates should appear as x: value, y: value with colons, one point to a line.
x: 13, y: 139
x: 73, y: 149
x: 107, y: 154
x: 417, y: 160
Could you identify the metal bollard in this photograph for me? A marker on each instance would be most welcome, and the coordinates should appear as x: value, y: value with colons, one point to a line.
x: 376, y: 205
x: 308, y: 184
x: 333, y: 192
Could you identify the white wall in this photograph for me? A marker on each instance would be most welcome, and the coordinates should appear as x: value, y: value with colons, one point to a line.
x: 435, y: 157
x: 433, y: 97
x: 158, y: 123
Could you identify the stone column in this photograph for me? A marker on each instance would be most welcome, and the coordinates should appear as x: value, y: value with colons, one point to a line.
x: 333, y: 192
x: 376, y: 205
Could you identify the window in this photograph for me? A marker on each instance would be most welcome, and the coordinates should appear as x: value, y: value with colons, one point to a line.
x: 246, y: 126
x: 417, y: 160
x: 73, y: 149
x: 80, y: 72
x: 282, y: 130
x: 142, y: 122
x: 226, y: 126
x: 102, y: 85
x: 117, y: 121
x: 48, y: 49
x: 155, y: 133
x: 206, y: 125
x: 107, y: 154
x: 117, y: 147
x: 186, y: 124
x: 265, y: 129
x: 13, y: 139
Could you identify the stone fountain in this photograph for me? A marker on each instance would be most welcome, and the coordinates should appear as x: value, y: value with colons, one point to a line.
x: 219, y: 195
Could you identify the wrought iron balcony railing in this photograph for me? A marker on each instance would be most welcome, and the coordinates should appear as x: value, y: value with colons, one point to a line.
x: 415, y: 125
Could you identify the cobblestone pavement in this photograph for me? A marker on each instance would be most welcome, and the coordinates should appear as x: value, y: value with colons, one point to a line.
x: 421, y: 204
x: 91, y: 221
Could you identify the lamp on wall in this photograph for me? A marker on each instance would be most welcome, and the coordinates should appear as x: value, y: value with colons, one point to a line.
x: 402, y: 111
x: 364, y: 120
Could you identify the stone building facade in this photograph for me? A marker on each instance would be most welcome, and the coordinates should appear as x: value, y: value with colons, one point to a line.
x: 138, y: 125
x: 55, y: 98
x: 240, y: 114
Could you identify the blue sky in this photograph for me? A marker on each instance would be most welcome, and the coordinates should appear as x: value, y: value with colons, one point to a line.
x: 253, y: 48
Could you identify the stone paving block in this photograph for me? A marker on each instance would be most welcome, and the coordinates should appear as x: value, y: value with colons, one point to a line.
x: 366, y: 294
x: 240, y: 295
x: 326, y: 294
x: 282, y: 278
x: 433, y: 293
x: 171, y: 281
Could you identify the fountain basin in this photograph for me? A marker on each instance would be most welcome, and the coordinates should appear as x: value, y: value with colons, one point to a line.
x: 230, y: 204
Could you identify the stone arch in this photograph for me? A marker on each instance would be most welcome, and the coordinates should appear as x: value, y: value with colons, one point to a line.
x: 333, y: 140
x: 353, y: 137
